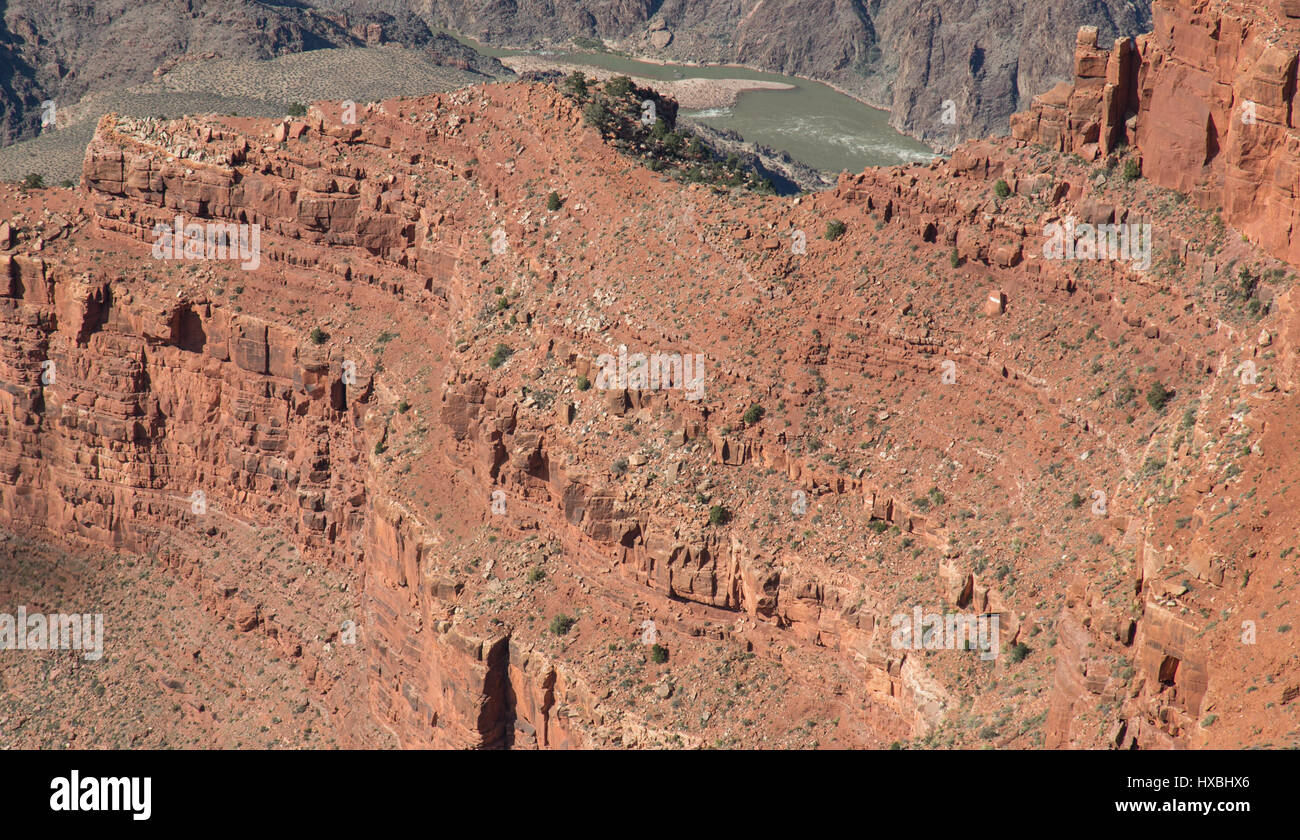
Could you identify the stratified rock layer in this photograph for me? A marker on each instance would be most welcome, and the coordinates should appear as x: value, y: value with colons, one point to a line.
x: 904, y: 401
x: 1207, y: 99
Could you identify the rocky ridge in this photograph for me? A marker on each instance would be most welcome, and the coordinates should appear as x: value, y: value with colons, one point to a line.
x: 403, y: 391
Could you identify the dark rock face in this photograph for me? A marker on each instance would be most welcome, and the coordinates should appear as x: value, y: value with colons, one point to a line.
x: 69, y: 50
x: 64, y: 51
x: 988, y: 59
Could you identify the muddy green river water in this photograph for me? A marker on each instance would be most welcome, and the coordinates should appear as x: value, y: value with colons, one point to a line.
x: 812, y: 121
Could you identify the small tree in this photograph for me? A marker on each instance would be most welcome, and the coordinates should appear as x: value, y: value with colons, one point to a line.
x: 596, y: 113
x: 1158, y: 396
x: 658, y: 654
x: 553, y: 201
x: 834, y: 229
x: 1002, y: 188
x: 318, y: 335
x: 618, y: 86
x: 754, y: 413
x: 576, y: 84
x: 1132, y: 170
x: 499, y: 356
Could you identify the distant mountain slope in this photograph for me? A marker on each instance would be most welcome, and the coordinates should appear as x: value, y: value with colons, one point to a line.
x: 989, y: 57
x: 60, y: 50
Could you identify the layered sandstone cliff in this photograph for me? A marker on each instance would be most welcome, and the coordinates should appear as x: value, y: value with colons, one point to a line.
x: 1206, y: 99
x: 405, y: 392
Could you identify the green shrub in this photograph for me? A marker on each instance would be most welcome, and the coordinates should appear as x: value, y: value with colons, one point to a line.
x: 954, y: 259
x: 1018, y: 652
x: 719, y: 515
x: 1153, y: 465
x: 596, y: 113
x: 499, y: 356
x: 834, y: 229
x: 1158, y: 396
x: 34, y: 181
x: 583, y: 383
x: 553, y: 201
x: 1002, y: 188
x: 1132, y: 171
x: 619, y: 467
x: 297, y: 109
x: 658, y: 654
x: 1247, y: 285
x: 754, y: 413
x: 576, y: 84
x: 318, y: 336
x: 535, y: 574
x: 618, y: 86
x: 562, y: 624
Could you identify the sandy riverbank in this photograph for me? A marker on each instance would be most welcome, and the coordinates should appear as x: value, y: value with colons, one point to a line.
x: 691, y: 94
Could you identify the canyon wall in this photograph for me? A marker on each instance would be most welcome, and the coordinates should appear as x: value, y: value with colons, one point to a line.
x: 1206, y: 98
x: 899, y: 414
x: 986, y: 58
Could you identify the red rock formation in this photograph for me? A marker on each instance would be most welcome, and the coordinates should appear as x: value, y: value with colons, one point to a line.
x: 1205, y: 100
x: 936, y: 447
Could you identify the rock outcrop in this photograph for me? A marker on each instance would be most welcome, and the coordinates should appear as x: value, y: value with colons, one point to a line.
x: 1206, y: 99
x: 425, y: 385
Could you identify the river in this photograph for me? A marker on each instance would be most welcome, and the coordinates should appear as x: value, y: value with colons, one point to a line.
x: 812, y: 121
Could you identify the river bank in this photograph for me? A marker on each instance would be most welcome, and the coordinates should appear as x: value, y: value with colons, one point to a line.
x: 825, y: 127
x: 696, y: 94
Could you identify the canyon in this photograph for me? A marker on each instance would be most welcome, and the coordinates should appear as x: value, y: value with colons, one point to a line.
x: 376, y: 468
x: 946, y: 72
x: 985, y: 58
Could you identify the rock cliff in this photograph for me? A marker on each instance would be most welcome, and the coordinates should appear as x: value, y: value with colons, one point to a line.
x: 905, y: 400
x: 986, y: 58
x: 1207, y: 99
